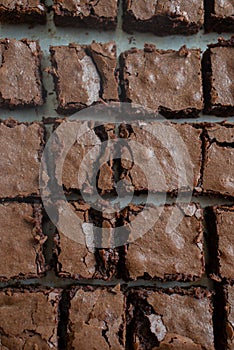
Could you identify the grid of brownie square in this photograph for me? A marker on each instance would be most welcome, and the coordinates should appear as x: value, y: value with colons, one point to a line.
x: 163, y: 17
x: 20, y: 74
x: 89, y: 14
x: 171, y: 319
x: 25, y: 12
x: 219, y: 16
x: 28, y: 319
x: 94, y: 65
x: 167, y: 81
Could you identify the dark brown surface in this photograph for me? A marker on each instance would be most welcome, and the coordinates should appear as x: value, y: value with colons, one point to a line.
x: 100, y: 14
x: 20, y: 74
x: 220, y: 16
x: 218, y: 77
x: 219, y: 160
x: 230, y: 316
x: 174, y: 161
x: 171, y: 320
x: 28, y: 320
x: 97, y: 318
x: 21, y: 146
x: 21, y: 241
x: 33, y: 11
x: 164, y: 252
x: 163, y: 17
x: 84, y: 75
x: 168, y: 82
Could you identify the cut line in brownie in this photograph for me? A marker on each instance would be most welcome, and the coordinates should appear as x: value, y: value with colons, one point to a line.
x: 29, y: 319
x: 84, y: 75
x: 218, y: 77
x: 21, y: 149
x: 21, y: 241
x: 171, y: 153
x: 20, y: 74
x: 220, y: 242
x: 100, y: 14
x: 171, y: 248
x: 163, y: 81
x: 172, y: 319
x: 218, y: 163
x: 163, y: 17
x: 219, y: 16
x: 97, y: 317
x: 33, y: 12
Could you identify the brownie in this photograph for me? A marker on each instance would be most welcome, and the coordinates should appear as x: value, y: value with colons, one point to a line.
x: 84, y: 75
x: 21, y: 241
x: 166, y: 242
x: 20, y: 74
x: 21, y: 147
x: 33, y: 12
x: 28, y: 319
x: 218, y: 167
x: 168, y: 82
x: 221, y: 242
x: 100, y: 14
x: 219, y: 17
x: 84, y: 168
x: 163, y: 17
x: 97, y: 318
x: 171, y: 319
x: 218, y: 77
x: 229, y: 307
x: 179, y: 155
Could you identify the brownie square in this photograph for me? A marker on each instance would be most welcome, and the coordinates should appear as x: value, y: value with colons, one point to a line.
x: 173, y: 162
x: 88, y: 14
x: 163, y: 17
x: 171, y: 319
x: 167, y: 82
x: 21, y: 147
x: 79, y: 156
x: 20, y: 74
x: 229, y: 324
x: 220, y: 16
x: 21, y: 241
x: 97, y: 318
x: 164, y: 250
x: 221, y: 241
x: 33, y: 12
x: 84, y: 75
x: 218, y: 165
x: 28, y: 320
x: 218, y: 77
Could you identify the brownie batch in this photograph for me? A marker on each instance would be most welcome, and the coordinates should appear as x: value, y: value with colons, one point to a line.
x: 133, y: 277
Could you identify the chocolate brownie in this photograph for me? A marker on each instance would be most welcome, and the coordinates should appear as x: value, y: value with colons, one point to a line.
x: 221, y: 242
x: 170, y: 247
x: 100, y: 14
x: 97, y: 318
x: 170, y: 319
x: 84, y: 167
x: 21, y: 241
x: 218, y: 167
x: 15, y: 11
x: 21, y: 147
x: 229, y: 307
x: 168, y: 81
x: 20, y: 74
x: 163, y: 17
x: 179, y: 156
x: 219, y: 17
x: 28, y: 319
x: 84, y: 75
x: 218, y: 77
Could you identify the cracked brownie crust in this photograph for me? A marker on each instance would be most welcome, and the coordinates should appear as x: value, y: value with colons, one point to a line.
x: 15, y: 11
